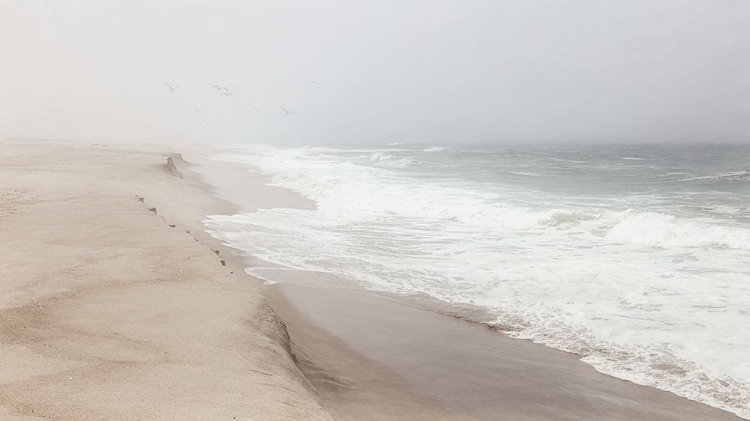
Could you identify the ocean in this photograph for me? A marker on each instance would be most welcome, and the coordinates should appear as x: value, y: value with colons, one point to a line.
x: 636, y: 257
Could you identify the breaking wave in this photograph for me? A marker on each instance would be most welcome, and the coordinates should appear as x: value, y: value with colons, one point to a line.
x: 645, y: 285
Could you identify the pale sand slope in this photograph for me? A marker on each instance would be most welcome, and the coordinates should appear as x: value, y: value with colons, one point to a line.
x: 108, y: 313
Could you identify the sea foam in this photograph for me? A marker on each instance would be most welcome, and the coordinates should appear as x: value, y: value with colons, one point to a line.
x: 597, y: 256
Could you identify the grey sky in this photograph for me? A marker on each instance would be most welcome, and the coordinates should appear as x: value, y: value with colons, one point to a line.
x: 390, y: 71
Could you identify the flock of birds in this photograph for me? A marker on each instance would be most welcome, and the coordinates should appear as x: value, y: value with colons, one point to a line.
x: 224, y: 92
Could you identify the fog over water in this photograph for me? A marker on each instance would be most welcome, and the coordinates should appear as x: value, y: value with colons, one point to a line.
x: 388, y: 71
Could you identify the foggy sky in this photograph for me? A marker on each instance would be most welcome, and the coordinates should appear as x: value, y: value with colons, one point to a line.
x: 391, y: 70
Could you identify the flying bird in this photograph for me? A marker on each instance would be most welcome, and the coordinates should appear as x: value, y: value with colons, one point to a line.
x: 170, y: 87
x: 315, y: 82
x: 219, y: 88
x: 287, y: 111
x: 255, y: 108
x: 207, y: 121
x: 227, y: 94
x: 196, y: 109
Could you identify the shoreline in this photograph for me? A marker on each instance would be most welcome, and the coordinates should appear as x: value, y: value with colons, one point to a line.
x: 471, y: 371
x: 300, y: 313
x: 348, y: 344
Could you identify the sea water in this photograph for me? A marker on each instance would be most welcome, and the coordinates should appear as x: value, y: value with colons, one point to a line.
x: 635, y: 257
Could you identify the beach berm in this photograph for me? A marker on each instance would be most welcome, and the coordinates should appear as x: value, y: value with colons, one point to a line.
x: 108, y: 313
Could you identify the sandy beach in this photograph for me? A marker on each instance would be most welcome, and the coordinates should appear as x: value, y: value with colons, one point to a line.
x: 116, y: 305
x: 111, y: 310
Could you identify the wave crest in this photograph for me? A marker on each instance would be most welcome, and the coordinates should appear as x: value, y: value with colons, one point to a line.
x: 661, y: 230
x: 732, y: 176
x: 435, y: 149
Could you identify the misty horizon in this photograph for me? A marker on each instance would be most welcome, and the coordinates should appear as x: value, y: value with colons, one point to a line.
x: 356, y: 72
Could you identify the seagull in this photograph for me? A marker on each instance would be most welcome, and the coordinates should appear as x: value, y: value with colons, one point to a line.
x: 288, y: 111
x: 170, y: 87
x: 255, y: 108
x: 207, y: 121
x: 219, y: 88
x: 315, y: 82
x: 227, y: 94
x: 196, y: 109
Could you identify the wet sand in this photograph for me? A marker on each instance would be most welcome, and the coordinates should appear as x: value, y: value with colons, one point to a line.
x: 466, y: 369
